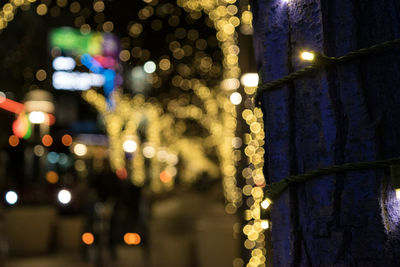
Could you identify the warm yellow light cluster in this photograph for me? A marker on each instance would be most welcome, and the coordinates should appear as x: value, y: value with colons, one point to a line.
x: 255, y: 180
x: 163, y: 145
x: 246, y: 20
x: 9, y: 9
x: 222, y: 123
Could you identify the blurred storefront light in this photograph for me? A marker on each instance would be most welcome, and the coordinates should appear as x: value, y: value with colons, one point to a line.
x: 79, y: 81
x: 64, y: 63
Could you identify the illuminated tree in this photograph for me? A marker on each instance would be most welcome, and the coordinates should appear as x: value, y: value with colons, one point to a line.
x: 348, y: 113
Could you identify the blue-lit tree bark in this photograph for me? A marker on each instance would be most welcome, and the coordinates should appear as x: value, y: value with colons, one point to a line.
x: 349, y: 113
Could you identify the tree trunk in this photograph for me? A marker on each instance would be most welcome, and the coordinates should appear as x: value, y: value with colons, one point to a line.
x: 349, y: 113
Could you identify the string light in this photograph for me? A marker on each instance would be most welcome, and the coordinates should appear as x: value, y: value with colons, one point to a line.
x: 308, y: 56
x: 395, y: 179
x: 249, y: 79
x: 9, y: 10
x: 264, y: 224
x: 236, y: 98
x: 266, y: 203
x: 218, y: 116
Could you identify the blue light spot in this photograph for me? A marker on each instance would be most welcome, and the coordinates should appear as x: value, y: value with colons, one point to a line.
x: 53, y: 157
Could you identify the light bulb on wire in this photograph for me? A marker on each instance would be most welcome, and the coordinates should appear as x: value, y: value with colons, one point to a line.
x: 265, y: 204
x: 264, y: 224
x: 307, y: 56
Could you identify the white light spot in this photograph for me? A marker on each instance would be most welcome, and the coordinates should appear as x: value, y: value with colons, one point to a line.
x: 236, y: 98
x: 307, y: 56
x: 37, y: 117
x: 230, y: 84
x: 38, y: 150
x: 64, y: 63
x: 264, y: 224
x: 237, y: 142
x: 265, y: 204
x: 149, y: 151
x: 80, y: 149
x: 64, y: 196
x: 149, y: 67
x: 11, y: 197
x: 249, y: 79
x: 81, y: 81
x: 129, y: 146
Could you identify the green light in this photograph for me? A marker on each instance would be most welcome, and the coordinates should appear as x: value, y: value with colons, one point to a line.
x: 73, y: 40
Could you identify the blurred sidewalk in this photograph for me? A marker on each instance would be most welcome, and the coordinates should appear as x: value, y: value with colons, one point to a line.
x: 127, y: 257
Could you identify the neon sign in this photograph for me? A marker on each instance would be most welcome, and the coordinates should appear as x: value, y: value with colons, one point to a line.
x: 98, y: 52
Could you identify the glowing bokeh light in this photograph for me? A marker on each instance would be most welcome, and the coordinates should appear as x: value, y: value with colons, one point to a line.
x: 11, y: 197
x: 10, y: 105
x: 53, y: 157
x: 64, y: 196
x: 265, y: 204
x: 66, y: 140
x: 38, y: 150
x: 264, y: 224
x: 132, y: 239
x: 249, y: 79
x: 88, y: 238
x: 51, y: 177
x: 21, y: 126
x: 47, y: 140
x: 308, y: 56
x: 149, y: 151
x: 122, y: 173
x: 64, y: 63
x: 230, y: 84
x: 129, y: 146
x: 236, y: 98
x: 165, y: 177
x: 37, y: 117
x: 13, y: 141
x: 80, y: 149
x: 149, y: 67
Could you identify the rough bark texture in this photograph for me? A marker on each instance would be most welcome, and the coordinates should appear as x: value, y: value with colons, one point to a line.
x: 347, y: 114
